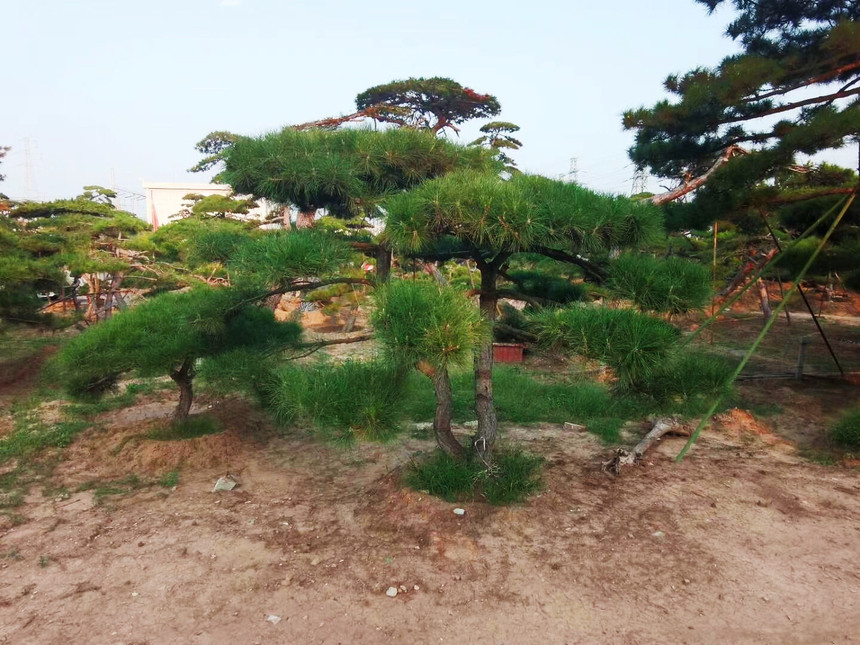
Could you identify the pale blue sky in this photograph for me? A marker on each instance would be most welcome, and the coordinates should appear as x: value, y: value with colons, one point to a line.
x: 123, y: 89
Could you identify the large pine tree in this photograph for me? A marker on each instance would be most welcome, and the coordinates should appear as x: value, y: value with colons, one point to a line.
x: 793, y: 89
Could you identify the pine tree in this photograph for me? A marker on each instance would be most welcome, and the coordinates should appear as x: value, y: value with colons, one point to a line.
x: 493, y: 220
x: 793, y: 89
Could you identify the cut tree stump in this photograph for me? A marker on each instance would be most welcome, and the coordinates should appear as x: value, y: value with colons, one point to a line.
x: 660, y: 427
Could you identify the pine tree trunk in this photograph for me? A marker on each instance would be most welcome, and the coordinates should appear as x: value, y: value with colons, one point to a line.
x: 305, y: 219
x: 383, y: 262
x: 183, y: 378
x: 442, y: 421
x: 445, y: 438
x: 484, y: 408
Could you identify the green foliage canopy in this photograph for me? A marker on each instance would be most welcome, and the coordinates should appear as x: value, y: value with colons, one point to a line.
x: 632, y: 343
x: 433, y: 103
x: 157, y: 336
x: 522, y: 214
x: 672, y: 285
x: 344, y: 171
x: 422, y: 321
x: 790, y: 50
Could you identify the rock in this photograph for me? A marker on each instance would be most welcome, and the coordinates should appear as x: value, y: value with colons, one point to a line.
x: 686, y: 581
x: 391, y: 592
x: 574, y: 427
x: 315, y: 562
x: 273, y: 619
x: 658, y: 534
x: 403, y: 588
x: 228, y: 482
x: 459, y: 511
x: 416, y: 587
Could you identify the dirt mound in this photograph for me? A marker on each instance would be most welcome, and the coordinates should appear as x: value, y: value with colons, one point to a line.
x: 120, y: 443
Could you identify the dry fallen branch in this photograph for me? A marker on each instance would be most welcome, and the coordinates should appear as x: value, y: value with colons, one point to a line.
x: 662, y: 426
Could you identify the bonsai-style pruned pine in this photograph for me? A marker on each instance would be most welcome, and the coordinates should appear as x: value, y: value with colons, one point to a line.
x: 494, y: 219
x: 432, y: 328
x: 169, y: 335
x: 345, y: 172
x: 432, y: 103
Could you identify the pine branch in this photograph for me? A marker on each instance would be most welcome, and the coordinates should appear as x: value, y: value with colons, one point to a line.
x: 805, y: 83
x: 692, y: 184
x: 826, y: 98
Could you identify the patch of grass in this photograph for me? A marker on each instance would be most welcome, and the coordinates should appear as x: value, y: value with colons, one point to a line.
x: 31, y: 435
x: 765, y: 409
x: 89, y: 409
x: 845, y: 433
x: 11, y: 499
x: 150, y: 386
x: 103, y: 489
x: 344, y: 402
x: 169, y: 479
x: 607, y: 428
x: 11, y: 554
x: 190, y: 428
x: 818, y: 457
x: 443, y: 476
x: 45, y: 560
x: 519, y: 398
x: 513, y: 476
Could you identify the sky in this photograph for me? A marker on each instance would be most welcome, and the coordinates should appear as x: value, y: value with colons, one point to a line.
x: 116, y: 93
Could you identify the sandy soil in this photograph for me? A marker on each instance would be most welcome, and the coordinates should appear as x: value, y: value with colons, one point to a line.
x: 743, y: 542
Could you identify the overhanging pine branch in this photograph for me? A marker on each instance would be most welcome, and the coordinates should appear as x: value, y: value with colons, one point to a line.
x: 692, y: 184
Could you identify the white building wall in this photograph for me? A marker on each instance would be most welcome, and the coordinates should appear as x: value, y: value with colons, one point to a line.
x: 164, y: 201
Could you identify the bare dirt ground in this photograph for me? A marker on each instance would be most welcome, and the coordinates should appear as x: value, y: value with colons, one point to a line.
x: 743, y: 542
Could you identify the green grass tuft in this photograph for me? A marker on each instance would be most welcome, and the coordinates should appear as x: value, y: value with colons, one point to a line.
x: 845, y: 433
x: 514, y: 476
x: 169, y: 479
x: 344, y: 402
x: 443, y: 476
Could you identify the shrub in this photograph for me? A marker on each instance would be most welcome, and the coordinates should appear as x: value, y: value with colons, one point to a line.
x: 443, y: 476
x: 845, y: 433
x: 672, y: 285
x: 518, y: 396
x: 551, y: 288
x: 633, y: 344
x: 514, y: 477
x: 690, y: 373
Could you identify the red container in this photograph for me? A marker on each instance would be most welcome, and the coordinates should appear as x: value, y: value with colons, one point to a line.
x: 508, y: 352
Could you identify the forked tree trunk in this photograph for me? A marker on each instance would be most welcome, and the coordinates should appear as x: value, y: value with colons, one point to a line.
x: 487, y: 432
x: 183, y: 378
x: 305, y: 219
x: 445, y: 438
